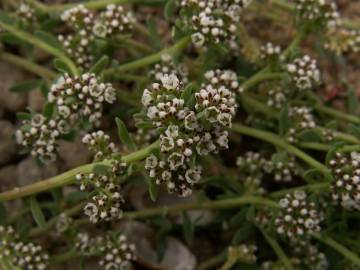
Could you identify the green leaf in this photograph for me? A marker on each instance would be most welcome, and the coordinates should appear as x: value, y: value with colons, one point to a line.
x: 23, y: 116
x: 48, y: 110
x: 284, y: 121
x: 5, y: 18
x: 153, y: 188
x: 62, y: 66
x: 26, y: 86
x: 101, y: 169
x: 100, y: 65
x: 279, y: 157
x: 310, y: 136
x: 313, y: 176
x: 355, y: 130
x: 37, y: 213
x: 188, y: 94
x: 242, y: 233
x: 331, y: 153
x: 49, y: 39
x: 188, y: 228
x: 124, y: 135
x: 352, y: 99
x: 170, y: 9
x: 154, y: 36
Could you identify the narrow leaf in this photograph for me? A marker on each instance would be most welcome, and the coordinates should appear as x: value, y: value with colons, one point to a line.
x: 169, y: 9
x: 48, y: 110
x: 26, y: 86
x: 188, y: 228
x: 100, y: 65
x: 124, y: 135
x: 284, y: 121
x: 49, y: 39
x: 37, y: 213
x: 100, y: 169
x: 61, y: 66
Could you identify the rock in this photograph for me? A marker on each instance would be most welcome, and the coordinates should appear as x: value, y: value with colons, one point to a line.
x: 7, y: 144
x: 28, y: 171
x: 36, y: 100
x: 8, y: 178
x: 74, y: 153
x: 8, y: 100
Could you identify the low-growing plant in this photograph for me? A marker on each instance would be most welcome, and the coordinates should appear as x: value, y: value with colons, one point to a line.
x: 226, y: 122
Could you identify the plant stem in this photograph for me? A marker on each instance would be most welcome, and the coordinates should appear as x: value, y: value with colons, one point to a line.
x: 260, y: 77
x: 29, y: 66
x: 278, y: 141
x: 314, y: 146
x: 311, y: 187
x: 338, y: 247
x: 143, y: 62
x: 72, y: 253
x: 277, y: 248
x: 69, y: 176
x: 212, y: 262
x: 220, y: 204
x: 337, y: 114
x: 26, y: 37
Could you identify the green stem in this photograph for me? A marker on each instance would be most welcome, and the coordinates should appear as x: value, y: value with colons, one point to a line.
x: 71, y: 254
x: 213, y: 262
x: 29, y: 66
x: 277, y: 249
x: 314, y: 146
x: 69, y: 176
x: 151, y: 59
x: 26, y: 37
x: 278, y: 141
x: 311, y: 187
x: 260, y: 77
x: 339, y: 248
x: 137, y: 45
x: 220, y: 204
x: 337, y: 114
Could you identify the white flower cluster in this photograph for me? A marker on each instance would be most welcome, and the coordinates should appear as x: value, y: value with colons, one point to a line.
x: 346, y: 187
x: 304, y: 72
x: 87, y: 245
x: 323, y: 11
x: 81, y: 97
x: 212, y: 21
x: 99, y: 144
x: 113, y: 21
x: 276, y: 97
x: 27, y: 256
x: 40, y: 135
x: 184, y: 133
x: 117, y: 253
x: 87, y: 25
x: 167, y: 66
x: 63, y: 223
x: 269, y: 52
x: 301, y: 119
x: 343, y: 40
x: 298, y: 216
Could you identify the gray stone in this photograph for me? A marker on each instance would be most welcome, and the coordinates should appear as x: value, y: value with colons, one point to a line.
x: 11, y: 75
x: 7, y: 144
x: 73, y: 154
x: 28, y: 171
x: 8, y: 178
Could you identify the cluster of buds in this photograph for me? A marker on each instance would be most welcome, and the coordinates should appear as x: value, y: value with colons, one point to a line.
x: 298, y: 217
x: 117, y: 253
x: 27, y: 256
x: 304, y: 72
x: 187, y: 131
x: 40, y: 134
x: 251, y: 167
x: 301, y: 119
x: 269, y: 52
x: 26, y: 12
x: 345, y: 168
x: 343, y: 40
x: 87, y: 245
x: 276, y: 98
x: 324, y: 12
x: 308, y: 254
x: 80, y: 97
x: 212, y: 21
x: 99, y: 144
x: 167, y: 66
x: 106, y: 204
x: 87, y: 25
x: 63, y: 223
x: 284, y: 171
x: 243, y: 253
x: 219, y: 77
